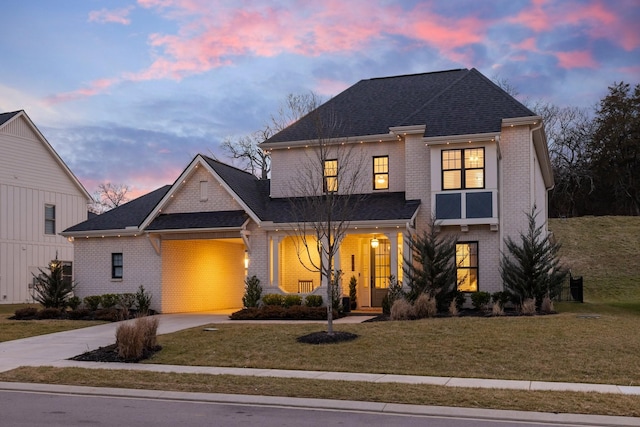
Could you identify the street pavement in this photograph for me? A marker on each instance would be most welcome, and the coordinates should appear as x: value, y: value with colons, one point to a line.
x: 55, y: 350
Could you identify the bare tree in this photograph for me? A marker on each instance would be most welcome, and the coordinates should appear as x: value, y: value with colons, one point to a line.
x: 245, y: 148
x: 109, y: 196
x: 329, y: 191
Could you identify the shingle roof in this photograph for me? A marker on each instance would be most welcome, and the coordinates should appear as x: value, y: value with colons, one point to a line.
x: 127, y: 215
x: 372, y: 207
x: 253, y: 191
x: 195, y: 220
x: 5, y: 117
x: 454, y: 102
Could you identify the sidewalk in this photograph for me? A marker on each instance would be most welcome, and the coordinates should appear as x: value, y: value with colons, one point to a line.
x: 55, y: 350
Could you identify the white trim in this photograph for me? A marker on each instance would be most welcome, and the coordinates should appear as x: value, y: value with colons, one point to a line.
x: 459, y: 139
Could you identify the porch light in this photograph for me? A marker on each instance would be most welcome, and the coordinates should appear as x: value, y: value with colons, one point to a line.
x: 374, y: 243
x: 246, y: 260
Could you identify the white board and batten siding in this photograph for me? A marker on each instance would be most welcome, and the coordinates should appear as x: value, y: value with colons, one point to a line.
x: 32, y: 176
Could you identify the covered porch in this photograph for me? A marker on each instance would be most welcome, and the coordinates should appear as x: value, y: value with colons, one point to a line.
x: 370, y: 255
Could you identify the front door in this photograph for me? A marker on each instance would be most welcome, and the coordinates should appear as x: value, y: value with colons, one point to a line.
x: 380, y: 268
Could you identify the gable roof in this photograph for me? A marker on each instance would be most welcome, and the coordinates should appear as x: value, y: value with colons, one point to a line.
x: 453, y: 102
x: 253, y: 191
x: 7, y: 117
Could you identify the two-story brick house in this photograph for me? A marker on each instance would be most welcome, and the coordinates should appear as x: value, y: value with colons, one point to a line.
x: 450, y: 144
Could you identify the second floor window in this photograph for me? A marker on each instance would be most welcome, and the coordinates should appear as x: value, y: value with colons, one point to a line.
x: 116, y: 265
x: 330, y: 177
x: 381, y: 173
x: 463, y: 169
x: 49, y: 219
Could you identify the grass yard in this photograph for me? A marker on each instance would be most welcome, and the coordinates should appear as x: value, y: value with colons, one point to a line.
x: 547, y: 401
x: 562, y: 347
x: 17, y: 329
x: 603, y: 347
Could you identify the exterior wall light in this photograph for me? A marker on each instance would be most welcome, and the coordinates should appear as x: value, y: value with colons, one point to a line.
x: 374, y: 243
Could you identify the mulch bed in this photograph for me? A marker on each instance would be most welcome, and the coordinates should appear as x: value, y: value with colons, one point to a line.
x: 110, y: 354
x: 324, y: 338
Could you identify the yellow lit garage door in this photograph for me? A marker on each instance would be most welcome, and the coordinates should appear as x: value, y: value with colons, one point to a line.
x: 201, y: 275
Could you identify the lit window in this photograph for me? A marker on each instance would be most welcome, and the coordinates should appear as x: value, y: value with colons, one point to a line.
x: 49, y: 219
x: 330, y: 184
x: 116, y: 266
x: 463, y: 169
x: 381, y: 173
x: 467, y: 266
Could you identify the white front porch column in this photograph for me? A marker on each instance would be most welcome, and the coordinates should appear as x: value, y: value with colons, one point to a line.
x: 275, y: 255
x: 393, y: 253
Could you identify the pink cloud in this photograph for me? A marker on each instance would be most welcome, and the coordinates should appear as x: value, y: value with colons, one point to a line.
x: 210, y: 37
x: 118, y: 16
x: 534, y: 17
x: 576, y: 59
x: 94, y: 88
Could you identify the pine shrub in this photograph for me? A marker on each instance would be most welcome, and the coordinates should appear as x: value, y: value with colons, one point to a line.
x: 51, y: 289
x: 252, y: 292
x: 431, y: 267
x: 143, y: 301
x: 353, y: 292
x: 531, y: 267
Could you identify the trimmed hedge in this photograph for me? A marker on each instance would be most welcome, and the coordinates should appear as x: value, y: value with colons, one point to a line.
x: 272, y: 312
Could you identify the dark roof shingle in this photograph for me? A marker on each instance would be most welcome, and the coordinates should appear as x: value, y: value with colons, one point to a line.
x: 454, y: 102
x: 5, y: 117
x: 195, y: 220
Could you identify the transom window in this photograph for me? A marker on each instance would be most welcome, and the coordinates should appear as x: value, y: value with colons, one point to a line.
x: 330, y: 177
x: 381, y: 173
x: 49, y: 219
x: 463, y: 169
x: 116, y: 265
x: 467, y: 266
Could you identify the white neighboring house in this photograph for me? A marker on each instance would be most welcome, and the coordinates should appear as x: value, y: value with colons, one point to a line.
x: 39, y: 197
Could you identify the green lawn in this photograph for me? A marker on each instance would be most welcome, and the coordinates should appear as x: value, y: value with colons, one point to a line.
x: 603, y: 347
x: 16, y: 329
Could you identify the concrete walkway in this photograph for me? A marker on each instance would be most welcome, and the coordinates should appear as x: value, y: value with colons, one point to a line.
x: 55, y: 350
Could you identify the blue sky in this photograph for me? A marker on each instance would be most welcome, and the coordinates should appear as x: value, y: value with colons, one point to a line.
x: 130, y: 91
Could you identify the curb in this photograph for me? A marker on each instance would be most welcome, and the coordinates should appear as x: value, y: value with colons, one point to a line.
x: 329, y: 404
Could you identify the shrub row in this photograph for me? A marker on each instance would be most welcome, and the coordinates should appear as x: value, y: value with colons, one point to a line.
x: 291, y: 300
x: 141, y: 301
x: 273, y: 312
